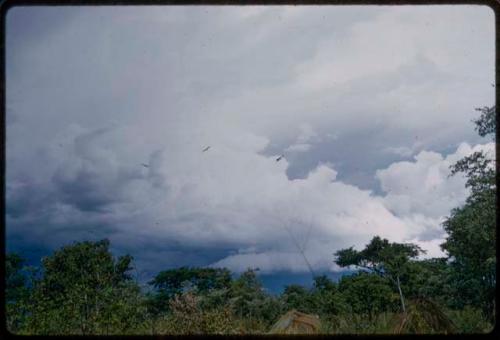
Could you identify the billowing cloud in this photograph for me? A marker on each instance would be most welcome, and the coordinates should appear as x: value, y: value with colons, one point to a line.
x: 232, y: 196
x: 411, y: 186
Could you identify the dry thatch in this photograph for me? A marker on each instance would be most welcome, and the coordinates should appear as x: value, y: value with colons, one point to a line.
x: 295, y: 322
x: 424, y: 316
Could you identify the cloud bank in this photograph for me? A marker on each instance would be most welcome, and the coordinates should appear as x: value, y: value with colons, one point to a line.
x: 231, y: 196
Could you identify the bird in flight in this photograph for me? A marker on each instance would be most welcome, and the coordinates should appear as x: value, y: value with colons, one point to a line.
x: 208, y: 147
x: 279, y: 158
x: 145, y: 165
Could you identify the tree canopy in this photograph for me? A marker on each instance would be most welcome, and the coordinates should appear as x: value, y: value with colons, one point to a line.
x: 471, y: 228
x: 384, y: 258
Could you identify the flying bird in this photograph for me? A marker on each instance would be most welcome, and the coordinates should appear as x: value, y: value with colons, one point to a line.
x: 145, y: 165
x: 208, y: 147
x: 279, y: 158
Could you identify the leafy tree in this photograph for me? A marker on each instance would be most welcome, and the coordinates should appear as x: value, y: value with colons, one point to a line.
x: 323, y: 283
x: 14, y: 280
x: 470, y: 320
x: 389, y: 260
x: 486, y: 123
x: 429, y: 279
x: 249, y: 300
x: 169, y: 283
x: 245, y: 291
x: 18, y: 288
x: 299, y: 298
x: 203, y: 279
x: 84, y: 290
x: 367, y: 293
x: 323, y: 299
x: 327, y: 298
x: 471, y: 228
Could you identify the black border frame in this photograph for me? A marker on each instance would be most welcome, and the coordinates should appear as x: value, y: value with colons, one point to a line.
x: 5, y: 5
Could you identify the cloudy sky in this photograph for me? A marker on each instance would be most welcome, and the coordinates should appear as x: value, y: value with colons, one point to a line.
x: 370, y: 105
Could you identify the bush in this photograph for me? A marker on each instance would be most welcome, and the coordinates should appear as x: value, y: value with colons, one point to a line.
x: 470, y: 320
x: 186, y: 317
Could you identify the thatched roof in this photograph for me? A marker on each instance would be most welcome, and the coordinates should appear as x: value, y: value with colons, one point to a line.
x: 295, y: 322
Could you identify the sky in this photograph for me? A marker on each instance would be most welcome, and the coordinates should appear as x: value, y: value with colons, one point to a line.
x: 108, y: 110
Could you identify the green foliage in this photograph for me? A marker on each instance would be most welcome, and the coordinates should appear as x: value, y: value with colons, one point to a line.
x: 327, y: 298
x: 248, y: 299
x: 322, y: 283
x: 187, y: 317
x: 18, y: 287
x: 84, y: 290
x: 299, y: 298
x: 14, y: 279
x: 379, y: 256
x: 215, y: 298
x: 486, y: 123
x: 367, y: 294
x: 202, y: 279
x: 169, y: 283
x: 428, y: 279
x: 323, y: 299
x: 472, y: 245
x: 101, y: 298
x: 348, y: 257
x: 470, y: 320
x: 471, y: 228
x: 386, y: 259
x: 480, y: 172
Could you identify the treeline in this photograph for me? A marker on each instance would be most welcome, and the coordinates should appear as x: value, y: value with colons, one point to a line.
x: 82, y: 289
